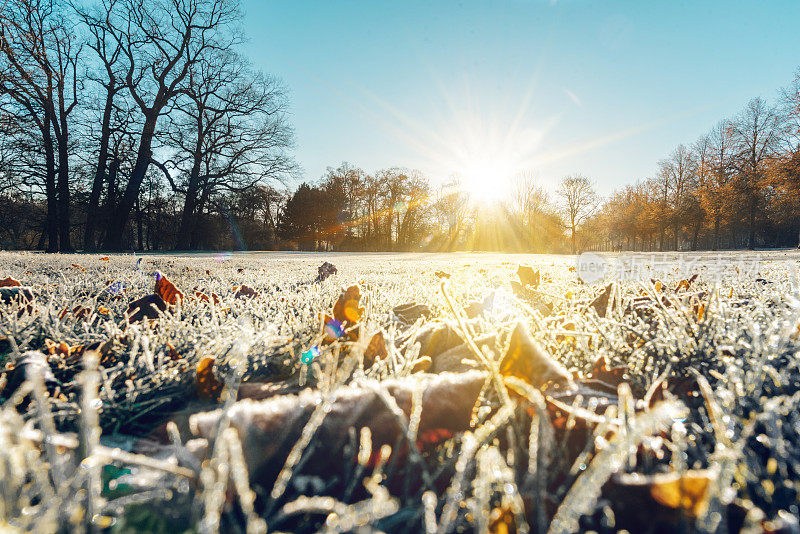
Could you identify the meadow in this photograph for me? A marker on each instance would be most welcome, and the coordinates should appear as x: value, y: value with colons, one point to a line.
x: 261, y: 392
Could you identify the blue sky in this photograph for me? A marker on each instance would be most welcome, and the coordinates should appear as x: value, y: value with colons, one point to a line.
x: 603, y: 88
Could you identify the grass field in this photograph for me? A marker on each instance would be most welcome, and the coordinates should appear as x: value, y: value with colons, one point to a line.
x: 264, y: 399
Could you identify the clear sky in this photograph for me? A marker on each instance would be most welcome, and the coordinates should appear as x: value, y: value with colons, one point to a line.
x: 603, y: 88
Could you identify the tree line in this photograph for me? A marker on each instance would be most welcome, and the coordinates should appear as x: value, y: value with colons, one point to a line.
x: 140, y: 124
x: 737, y: 186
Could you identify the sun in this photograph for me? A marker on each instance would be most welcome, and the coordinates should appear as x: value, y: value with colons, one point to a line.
x: 486, y: 178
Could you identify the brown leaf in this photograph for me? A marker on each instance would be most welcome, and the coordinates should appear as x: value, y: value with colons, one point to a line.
x: 376, y: 350
x: 81, y: 267
x: 207, y: 385
x: 81, y: 312
x: 269, y: 429
x: 243, y: 292
x: 9, y: 282
x: 683, y: 285
x: 527, y: 360
x: 660, y: 502
x: 605, y: 378
x: 601, y: 301
x: 172, y: 353
x: 441, y: 274
x: 347, y: 310
x: 410, y: 312
x: 528, y: 276
x: 147, y: 307
x: 167, y: 290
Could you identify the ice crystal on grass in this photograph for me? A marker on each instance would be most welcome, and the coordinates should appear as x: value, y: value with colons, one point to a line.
x: 709, y: 383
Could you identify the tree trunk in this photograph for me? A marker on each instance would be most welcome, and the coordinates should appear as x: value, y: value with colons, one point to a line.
x: 50, y: 189
x: 143, y: 157
x: 92, y: 212
x: 63, y: 198
x: 188, y: 217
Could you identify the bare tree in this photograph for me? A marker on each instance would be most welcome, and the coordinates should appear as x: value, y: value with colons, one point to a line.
x: 451, y: 205
x: 578, y: 201
x: 757, y: 134
x: 108, y: 78
x: 229, y: 134
x: 161, y: 43
x: 39, y: 83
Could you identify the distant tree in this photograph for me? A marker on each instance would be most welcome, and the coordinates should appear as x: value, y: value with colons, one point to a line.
x: 451, y: 206
x: 758, y: 133
x: 578, y: 202
x: 530, y: 206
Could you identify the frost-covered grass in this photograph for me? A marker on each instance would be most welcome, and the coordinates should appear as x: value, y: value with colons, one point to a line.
x: 77, y: 458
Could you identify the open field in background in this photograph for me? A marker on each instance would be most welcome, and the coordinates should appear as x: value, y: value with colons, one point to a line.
x: 484, y: 407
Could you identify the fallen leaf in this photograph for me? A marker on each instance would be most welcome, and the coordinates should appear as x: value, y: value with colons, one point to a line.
x: 376, y: 350
x: 172, y: 353
x: 325, y: 270
x: 528, y: 276
x: 441, y: 274
x: 147, y: 307
x: 269, y: 429
x: 104, y: 258
x: 167, y: 290
x: 699, y: 311
x: 347, y: 310
x: 207, y: 385
x: 605, y: 378
x: 243, y: 291
x: 527, y: 360
x: 421, y: 365
x: 602, y: 300
x: 410, y: 312
x: 9, y: 282
x: 683, y: 285
x: 81, y: 267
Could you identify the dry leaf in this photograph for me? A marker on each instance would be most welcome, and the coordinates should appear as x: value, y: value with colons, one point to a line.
x: 81, y: 267
x: 347, y: 310
x: 147, y: 307
x: 243, y: 291
x: 441, y: 274
x: 9, y: 282
x: 528, y: 276
x: 104, y: 258
x: 605, y: 378
x: 208, y: 387
x: 601, y: 301
x: 527, y: 360
x: 269, y: 429
x: 683, y: 285
x: 167, y: 290
x: 172, y: 353
x: 376, y: 350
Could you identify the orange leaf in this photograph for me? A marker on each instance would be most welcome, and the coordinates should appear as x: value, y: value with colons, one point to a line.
x: 9, y: 282
x: 527, y: 360
x: 81, y: 267
x: 346, y: 309
x: 376, y: 350
x: 687, y: 492
x: 104, y: 258
x: 173, y: 354
x: 167, y: 290
x: 208, y: 387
